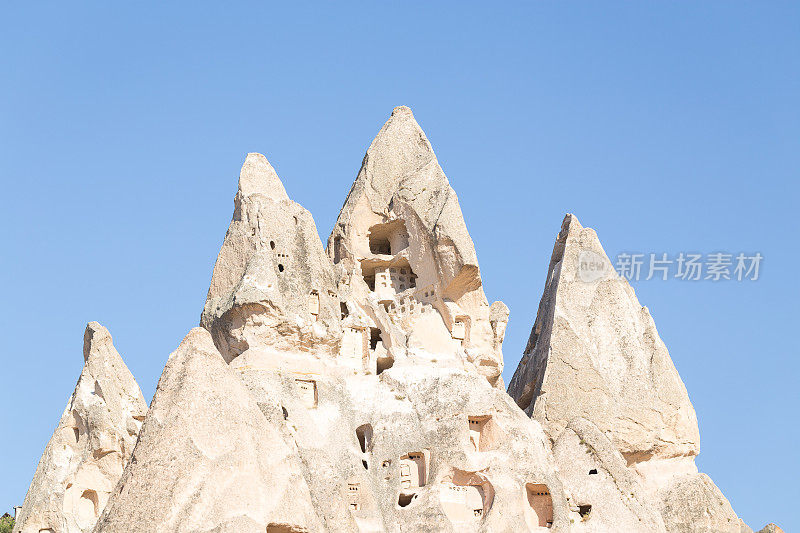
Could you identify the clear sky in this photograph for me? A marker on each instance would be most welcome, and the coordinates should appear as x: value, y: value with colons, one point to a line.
x: 667, y: 126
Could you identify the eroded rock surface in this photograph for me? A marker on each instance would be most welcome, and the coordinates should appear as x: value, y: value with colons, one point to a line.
x: 358, y: 389
x: 272, y: 286
x: 402, y: 426
x: 409, y: 272
x: 91, y: 445
x: 691, y: 503
x: 207, y: 459
x: 604, y: 495
x: 594, y: 354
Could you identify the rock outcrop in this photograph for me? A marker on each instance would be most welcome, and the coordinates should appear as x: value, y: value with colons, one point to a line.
x: 604, y: 495
x: 357, y: 388
x: 594, y: 354
x: 272, y: 286
x: 207, y: 459
x: 407, y: 262
x: 402, y: 426
x: 691, y: 503
x: 91, y: 445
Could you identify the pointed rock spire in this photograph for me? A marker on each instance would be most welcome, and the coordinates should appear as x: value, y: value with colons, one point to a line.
x: 91, y: 445
x: 273, y: 286
x: 258, y: 177
x: 207, y: 459
x: 594, y: 352
x: 411, y: 268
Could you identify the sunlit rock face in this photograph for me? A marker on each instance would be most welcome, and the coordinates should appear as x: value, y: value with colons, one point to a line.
x: 91, y: 445
x: 594, y: 352
x: 408, y: 269
x: 379, y: 362
x: 273, y: 287
x: 594, y: 355
x: 358, y: 389
x: 604, y: 494
x: 207, y: 458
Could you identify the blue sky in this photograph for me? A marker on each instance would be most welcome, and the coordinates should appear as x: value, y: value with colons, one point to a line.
x: 667, y: 127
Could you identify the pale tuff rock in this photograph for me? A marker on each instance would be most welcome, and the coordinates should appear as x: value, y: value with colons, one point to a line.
x: 604, y: 495
x: 385, y: 446
x: 594, y: 353
x: 691, y: 503
x: 408, y: 265
x: 358, y: 389
x: 90, y: 446
x: 413, y: 450
x: 207, y: 459
x: 273, y: 285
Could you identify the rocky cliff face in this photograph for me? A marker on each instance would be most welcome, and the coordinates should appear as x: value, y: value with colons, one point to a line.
x: 91, y: 445
x: 358, y: 389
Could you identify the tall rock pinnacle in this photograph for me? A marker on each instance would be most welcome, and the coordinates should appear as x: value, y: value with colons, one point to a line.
x: 258, y: 177
x: 91, y: 445
x: 357, y: 389
x: 273, y: 287
x: 409, y: 264
x: 594, y: 354
x: 431, y: 443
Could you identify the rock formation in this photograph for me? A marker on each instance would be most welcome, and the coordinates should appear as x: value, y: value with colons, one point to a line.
x: 604, y: 492
x: 358, y: 388
x: 409, y: 271
x: 272, y: 288
x: 378, y: 364
x: 207, y: 459
x: 91, y: 445
x: 594, y: 354
x: 771, y: 528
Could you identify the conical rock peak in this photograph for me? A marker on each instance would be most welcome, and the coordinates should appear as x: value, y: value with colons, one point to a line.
x: 594, y: 355
x: 258, y: 177
x: 409, y: 264
x: 91, y: 445
x: 270, y: 265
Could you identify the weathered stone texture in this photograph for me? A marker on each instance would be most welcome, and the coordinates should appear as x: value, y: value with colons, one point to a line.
x: 358, y: 388
x: 91, y: 445
x: 407, y: 262
x: 207, y: 459
x: 594, y: 355
x: 270, y: 266
x: 594, y: 352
